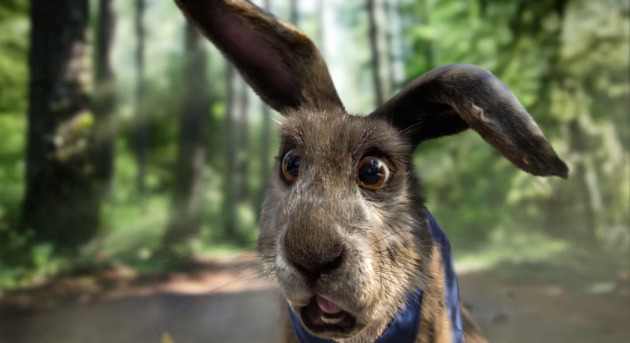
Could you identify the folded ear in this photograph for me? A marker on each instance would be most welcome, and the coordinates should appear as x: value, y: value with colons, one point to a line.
x: 277, y: 60
x: 452, y: 98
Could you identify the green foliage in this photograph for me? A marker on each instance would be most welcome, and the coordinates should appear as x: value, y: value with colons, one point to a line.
x: 13, y: 55
x: 17, y: 257
x: 13, y: 131
x: 567, y: 61
x: 24, y: 262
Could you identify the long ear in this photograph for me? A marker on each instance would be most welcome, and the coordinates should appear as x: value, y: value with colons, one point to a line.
x: 452, y: 98
x: 277, y: 60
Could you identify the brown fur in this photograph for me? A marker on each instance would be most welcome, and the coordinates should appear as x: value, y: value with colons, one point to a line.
x: 472, y: 332
x: 325, y: 235
x: 434, y: 323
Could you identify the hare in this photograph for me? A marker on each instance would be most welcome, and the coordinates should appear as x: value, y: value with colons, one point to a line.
x: 357, y: 256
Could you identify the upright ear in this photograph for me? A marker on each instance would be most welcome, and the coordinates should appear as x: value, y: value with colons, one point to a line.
x: 452, y: 98
x: 277, y: 60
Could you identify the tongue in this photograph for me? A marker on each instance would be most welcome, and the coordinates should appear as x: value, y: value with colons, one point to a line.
x: 327, y: 306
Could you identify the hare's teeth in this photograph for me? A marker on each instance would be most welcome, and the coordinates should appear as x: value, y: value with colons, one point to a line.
x: 331, y: 320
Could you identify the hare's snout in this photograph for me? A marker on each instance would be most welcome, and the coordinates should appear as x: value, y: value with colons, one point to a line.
x: 314, y: 251
x: 314, y: 261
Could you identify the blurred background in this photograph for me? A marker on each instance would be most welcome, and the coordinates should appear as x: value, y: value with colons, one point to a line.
x: 133, y: 162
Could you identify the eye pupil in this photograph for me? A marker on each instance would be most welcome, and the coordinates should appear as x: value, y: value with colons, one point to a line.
x: 291, y: 164
x: 370, y: 173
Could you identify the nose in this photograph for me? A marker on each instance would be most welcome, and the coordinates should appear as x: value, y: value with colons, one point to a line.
x: 316, y: 259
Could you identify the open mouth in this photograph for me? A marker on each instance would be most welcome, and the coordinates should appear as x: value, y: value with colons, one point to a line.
x: 322, y: 315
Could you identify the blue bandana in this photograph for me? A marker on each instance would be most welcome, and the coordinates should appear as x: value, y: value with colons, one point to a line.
x: 404, y: 327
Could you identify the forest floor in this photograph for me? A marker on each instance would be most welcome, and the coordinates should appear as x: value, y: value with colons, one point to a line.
x: 223, y: 300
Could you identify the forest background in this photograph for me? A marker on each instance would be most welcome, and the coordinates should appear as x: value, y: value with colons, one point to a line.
x: 126, y: 139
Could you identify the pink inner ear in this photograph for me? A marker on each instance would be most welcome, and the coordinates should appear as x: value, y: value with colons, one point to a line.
x: 255, y: 55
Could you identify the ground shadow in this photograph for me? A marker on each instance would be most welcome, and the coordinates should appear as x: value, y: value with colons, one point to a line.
x: 539, y: 302
x: 248, y: 316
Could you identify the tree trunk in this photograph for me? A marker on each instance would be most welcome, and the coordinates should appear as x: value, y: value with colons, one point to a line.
x: 62, y: 200
x: 294, y: 14
x: 588, y: 202
x: 141, y: 132
x: 319, y: 12
x: 393, y: 46
x: 185, y: 223
x: 265, y: 146
x: 427, y: 44
x: 387, y: 54
x: 374, y: 52
x: 243, y: 142
x: 231, y: 187
x: 105, y: 97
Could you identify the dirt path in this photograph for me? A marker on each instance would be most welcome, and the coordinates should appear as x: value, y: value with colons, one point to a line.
x: 227, y: 303
x: 545, y: 313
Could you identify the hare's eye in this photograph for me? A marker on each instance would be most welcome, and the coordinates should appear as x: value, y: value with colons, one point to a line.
x: 291, y: 164
x: 372, y: 173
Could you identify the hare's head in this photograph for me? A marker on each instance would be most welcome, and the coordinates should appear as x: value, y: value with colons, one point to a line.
x: 343, y: 226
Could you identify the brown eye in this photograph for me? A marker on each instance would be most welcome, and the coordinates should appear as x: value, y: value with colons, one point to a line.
x: 291, y: 164
x: 372, y: 173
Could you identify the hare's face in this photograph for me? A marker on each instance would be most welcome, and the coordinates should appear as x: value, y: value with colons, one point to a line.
x: 338, y: 239
x: 343, y: 225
